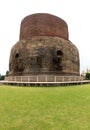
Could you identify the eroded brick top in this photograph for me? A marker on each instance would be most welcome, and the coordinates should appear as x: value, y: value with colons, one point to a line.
x: 41, y: 24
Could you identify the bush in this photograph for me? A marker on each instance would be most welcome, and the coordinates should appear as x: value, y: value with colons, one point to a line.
x: 88, y: 76
x: 2, y: 77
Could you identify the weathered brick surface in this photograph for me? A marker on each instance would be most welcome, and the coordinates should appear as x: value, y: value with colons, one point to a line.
x: 44, y: 55
x: 44, y: 48
x: 43, y: 25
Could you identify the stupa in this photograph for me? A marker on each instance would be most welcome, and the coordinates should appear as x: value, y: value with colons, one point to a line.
x: 44, y: 48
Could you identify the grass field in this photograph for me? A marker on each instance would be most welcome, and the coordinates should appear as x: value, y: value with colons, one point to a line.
x: 45, y: 108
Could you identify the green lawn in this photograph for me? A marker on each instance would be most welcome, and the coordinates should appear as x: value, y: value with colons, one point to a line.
x: 45, y: 108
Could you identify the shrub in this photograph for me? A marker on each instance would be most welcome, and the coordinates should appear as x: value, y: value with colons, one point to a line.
x: 2, y: 77
x: 88, y: 76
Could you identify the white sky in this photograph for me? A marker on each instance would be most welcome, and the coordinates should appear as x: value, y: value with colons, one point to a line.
x: 74, y: 12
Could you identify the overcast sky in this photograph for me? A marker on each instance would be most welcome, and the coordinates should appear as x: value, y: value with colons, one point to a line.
x: 75, y: 12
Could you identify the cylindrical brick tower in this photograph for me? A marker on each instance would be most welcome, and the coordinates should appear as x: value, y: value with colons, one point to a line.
x: 43, y: 25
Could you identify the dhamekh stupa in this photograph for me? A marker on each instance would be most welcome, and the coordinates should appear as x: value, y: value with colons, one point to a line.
x: 44, y: 48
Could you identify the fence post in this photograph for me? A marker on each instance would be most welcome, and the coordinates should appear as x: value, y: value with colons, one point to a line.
x: 37, y: 78
x: 46, y: 78
x: 21, y: 78
x: 55, y: 79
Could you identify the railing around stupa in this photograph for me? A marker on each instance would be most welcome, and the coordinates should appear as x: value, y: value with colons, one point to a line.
x: 43, y: 78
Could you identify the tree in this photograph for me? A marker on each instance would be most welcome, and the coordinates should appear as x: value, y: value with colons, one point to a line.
x: 88, y: 76
x: 7, y: 72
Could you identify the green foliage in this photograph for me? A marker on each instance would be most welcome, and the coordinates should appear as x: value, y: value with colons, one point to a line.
x: 2, y: 77
x: 88, y: 76
x: 7, y: 72
x: 45, y: 108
